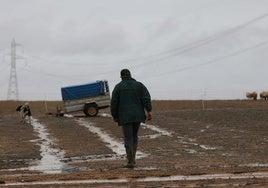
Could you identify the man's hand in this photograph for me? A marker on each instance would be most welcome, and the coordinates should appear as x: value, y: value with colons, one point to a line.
x: 149, y: 116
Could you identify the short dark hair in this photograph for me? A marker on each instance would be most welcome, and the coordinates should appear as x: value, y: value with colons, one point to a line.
x: 125, y: 73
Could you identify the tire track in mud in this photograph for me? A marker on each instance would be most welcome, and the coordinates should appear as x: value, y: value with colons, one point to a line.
x: 51, y: 155
x: 111, y: 143
x: 190, y: 145
x: 162, y: 132
x: 116, y: 146
x: 51, y: 161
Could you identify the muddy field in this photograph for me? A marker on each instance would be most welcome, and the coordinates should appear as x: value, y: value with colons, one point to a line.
x: 187, y: 144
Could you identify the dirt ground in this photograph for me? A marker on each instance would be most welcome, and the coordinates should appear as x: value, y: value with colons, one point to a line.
x: 187, y: 144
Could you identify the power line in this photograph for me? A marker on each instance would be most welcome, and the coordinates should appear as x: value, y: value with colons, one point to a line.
x: 213, y: 61
x: 150, y: 59
x: 200, y: 43
x: 147, y: 60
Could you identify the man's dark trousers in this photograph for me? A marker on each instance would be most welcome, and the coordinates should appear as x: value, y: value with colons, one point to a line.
x: 130, y: 131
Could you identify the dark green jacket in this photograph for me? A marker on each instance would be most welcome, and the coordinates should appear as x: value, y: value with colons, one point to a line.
x: 129, y: 100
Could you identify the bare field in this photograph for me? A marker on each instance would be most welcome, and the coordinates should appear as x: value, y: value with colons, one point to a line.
x: 187, y: 144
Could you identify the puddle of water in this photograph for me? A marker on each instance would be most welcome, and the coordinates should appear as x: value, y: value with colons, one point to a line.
x: 91, y: 158
x: 112, y: 143
x: 51, y: 157
x: 192, y: 151
x: 157, y: 129
x: 206, y: 147
x: 166, y: 133
x: 68, y: 115
x: 152, y: 136
x: 105, y: 115
x: 206, y: 177
x: 13, y: 169
x: 255, y: 165
x: 191, y: 142
x: 253, y: 175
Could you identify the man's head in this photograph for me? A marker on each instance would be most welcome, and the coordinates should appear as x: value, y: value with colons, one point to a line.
x: 125, y: 73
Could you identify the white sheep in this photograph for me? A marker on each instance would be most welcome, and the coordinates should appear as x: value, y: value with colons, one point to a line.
x: 252, y: 95
x: 264, y: 95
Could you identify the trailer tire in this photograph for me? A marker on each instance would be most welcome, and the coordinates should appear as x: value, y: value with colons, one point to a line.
x: 91, y: 110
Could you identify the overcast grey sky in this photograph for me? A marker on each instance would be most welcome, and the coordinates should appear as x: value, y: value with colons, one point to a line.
x: 180, y: 49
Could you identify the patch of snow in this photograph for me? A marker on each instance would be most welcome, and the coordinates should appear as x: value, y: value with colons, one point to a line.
x: 157, y: 129
x: 51, y: 156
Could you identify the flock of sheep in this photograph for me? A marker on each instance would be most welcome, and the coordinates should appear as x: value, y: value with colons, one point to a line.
x: 254, y: 95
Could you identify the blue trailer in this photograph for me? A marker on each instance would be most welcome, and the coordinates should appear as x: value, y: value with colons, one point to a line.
x: 88, y: 98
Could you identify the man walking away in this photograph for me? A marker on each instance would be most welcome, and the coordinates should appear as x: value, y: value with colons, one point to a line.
x: 130, y: 100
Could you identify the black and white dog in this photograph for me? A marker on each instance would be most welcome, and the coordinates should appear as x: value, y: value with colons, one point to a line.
x: 25, y: 113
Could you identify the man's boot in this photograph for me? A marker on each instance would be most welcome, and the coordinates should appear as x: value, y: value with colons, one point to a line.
x: 130, y: 159
x: 134, y: 155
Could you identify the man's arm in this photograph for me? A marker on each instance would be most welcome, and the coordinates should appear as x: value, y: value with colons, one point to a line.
x: 146, y: 100
x: 114, y: 104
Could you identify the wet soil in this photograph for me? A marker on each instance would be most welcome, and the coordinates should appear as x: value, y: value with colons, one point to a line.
x: 185, y: 138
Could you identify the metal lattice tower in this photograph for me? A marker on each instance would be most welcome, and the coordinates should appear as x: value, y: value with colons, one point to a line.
x: 13, y: 92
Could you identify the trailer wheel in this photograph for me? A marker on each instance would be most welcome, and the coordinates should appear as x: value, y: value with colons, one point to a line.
x: 91, y: 110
